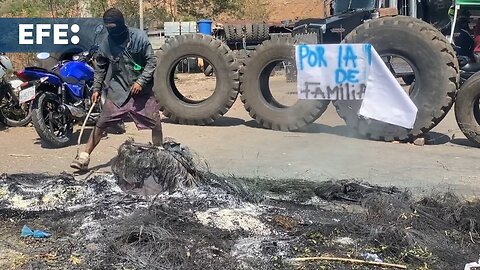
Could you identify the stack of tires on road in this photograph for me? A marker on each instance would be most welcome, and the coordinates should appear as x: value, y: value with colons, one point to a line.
x: 436, y: 74
x: 427, y: 51
x: 247, y: 32
x: 180, y: 108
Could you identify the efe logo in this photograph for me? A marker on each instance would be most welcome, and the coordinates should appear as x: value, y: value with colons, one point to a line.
x: 29, y: 34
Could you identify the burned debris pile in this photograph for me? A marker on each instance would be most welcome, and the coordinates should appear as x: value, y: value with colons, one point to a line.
x: 205, y: 221
x: 151, y: 170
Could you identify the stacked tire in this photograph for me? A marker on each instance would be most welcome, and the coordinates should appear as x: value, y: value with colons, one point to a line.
x: 258, y: 98
x: 233, y: 33
x: 467, y: 109
x: 251, y: 32
x: 181, y: 109
x: 424, y: 47
x: 436, y: 77
x: 428, y: 52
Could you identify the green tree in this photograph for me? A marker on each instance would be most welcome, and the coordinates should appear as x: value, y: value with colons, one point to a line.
x: 40, y: 8
x: 97, y: 7
x: 154, y: 16
x: 154, y: 13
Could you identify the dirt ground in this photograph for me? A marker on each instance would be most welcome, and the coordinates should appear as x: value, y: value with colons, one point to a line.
x: 235, y: 145
x: 268, y: 200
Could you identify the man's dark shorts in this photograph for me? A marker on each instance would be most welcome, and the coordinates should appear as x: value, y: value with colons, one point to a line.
x: 144, y: 111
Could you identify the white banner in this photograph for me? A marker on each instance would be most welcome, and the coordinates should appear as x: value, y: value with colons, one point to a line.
x: 332, y: 71
x: 353, y: 72
x: 385, y: 99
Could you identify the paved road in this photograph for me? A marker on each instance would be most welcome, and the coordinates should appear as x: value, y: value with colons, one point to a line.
x: 325, y: 150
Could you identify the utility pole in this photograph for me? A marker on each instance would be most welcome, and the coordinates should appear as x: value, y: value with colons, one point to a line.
x: 141, y: 14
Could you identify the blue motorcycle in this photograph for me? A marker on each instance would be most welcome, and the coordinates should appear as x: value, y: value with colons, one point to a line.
x: 61, y: 96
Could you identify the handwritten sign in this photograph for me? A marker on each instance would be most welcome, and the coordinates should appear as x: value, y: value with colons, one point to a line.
x: 353, y: 72
x: 332, y: 71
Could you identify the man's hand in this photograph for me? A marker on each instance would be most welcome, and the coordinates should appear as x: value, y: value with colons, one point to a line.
x: 96, y: 96
x: 136, y: 88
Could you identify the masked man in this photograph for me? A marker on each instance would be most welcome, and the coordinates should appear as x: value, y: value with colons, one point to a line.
x: 128, y: 57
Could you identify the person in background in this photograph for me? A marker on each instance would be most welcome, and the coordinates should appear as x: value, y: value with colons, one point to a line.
x: 476, y: 37
x: 128, y: 56
x: 466, y: 45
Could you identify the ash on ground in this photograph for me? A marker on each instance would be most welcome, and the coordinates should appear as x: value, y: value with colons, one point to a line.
x: 213, y: 222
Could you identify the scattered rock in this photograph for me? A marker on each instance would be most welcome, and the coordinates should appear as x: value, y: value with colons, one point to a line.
x: 419, y: 142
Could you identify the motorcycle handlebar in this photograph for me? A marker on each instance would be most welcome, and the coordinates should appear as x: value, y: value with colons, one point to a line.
x: 85, y: 56
x: 58, y: 65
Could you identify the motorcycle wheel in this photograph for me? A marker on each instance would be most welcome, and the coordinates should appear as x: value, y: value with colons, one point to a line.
x: 467, y: 109
x: 15, y: 115
x: 53, y: 127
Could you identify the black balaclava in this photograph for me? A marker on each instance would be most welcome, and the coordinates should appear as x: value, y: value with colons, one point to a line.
x: 119, y: 33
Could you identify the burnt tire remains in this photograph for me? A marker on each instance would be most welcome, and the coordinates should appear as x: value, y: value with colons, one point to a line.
x: 433, y: 61
x: 180, y: 108
x: 467, y: 109
x: 257, y: 96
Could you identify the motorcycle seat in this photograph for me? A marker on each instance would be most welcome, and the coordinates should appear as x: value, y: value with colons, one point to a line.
x: 471, y: 67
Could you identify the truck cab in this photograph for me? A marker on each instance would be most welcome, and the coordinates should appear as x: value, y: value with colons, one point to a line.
x: 346, y: 15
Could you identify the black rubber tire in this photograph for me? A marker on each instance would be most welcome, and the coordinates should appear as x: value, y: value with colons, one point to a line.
x: 230, y: 33
x: 256, y: 32
x: 261, y: 32
x: 16, y: 123
x: 249, y: 35
x: 233, y: 33
x: 437, y: 74
x: 41, y: 127
x: 241, y: 56
x: 239, y: 32
x: 265, y: 32
x: 13, y: 123
x: 208, y: 71
x: 256, y: 95
x: 172, y: 103
x: 467, y: 109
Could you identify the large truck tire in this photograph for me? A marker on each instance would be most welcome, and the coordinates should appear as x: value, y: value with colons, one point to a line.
x: 436, y: 74
x: 241, y: 56
x: 179, y: 108
x: 467, y: 109
x: 257, y: 96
